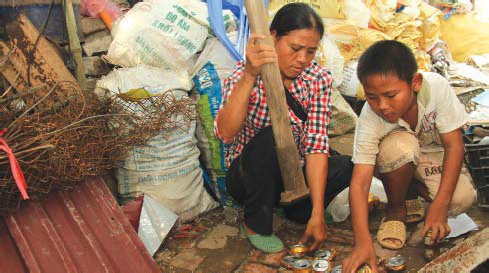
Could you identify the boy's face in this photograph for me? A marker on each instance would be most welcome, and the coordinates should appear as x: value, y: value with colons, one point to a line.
x: 391, y: 97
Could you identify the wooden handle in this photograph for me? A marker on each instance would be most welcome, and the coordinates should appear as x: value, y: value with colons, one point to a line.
x: 288, y: 156
x: 75, y: 43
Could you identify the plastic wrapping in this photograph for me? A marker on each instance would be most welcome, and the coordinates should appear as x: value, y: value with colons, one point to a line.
x: 355, y: 10
x: 465, y: 36
x: 155, y: 223
x: 339, y: 208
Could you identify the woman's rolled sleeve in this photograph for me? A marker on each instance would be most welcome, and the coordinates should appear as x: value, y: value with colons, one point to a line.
x: 229, y: 85
x: 317, y: 140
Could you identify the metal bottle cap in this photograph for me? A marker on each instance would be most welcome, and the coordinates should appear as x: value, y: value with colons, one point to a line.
x: 325, y: 254
x: 396, y: 263
x: 288, y: 261
x: 320, y: 265
x: 302, y: 264
x: 337, y: 269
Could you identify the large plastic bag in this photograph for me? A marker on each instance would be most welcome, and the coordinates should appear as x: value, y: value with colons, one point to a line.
x: 160, y: 33
x: 325, y: 8
x: 343, y: 118
x: 167, y: 168
x: 213, y: 66
x: 431, y: 18
x: 382, y: 11
x: 352, y: 40
x: 339, y: 208
x: 369, y: 36
x: 351, y: 86
x: 465, y: 36
x: 152, y: 79
x: 356, y: 11
x: 408, y: 32
x: 199, y: 11
x: 346, y: 36
x: 329, y: 56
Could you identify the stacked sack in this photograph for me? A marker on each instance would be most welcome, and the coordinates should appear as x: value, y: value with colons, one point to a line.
x: 157, y: 44
x: 212, y: 67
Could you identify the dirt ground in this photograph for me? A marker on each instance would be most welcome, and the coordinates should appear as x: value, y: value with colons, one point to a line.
x: 212, y: 243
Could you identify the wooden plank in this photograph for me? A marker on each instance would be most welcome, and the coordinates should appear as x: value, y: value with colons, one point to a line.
x: 74, y: 43
x: 288, y: 156
x: 46, y: 68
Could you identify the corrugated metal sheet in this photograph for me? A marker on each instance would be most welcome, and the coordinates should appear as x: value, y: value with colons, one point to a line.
x: 82, y: 230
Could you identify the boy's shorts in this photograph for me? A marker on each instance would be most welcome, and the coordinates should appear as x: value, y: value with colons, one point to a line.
x: 400, y: 147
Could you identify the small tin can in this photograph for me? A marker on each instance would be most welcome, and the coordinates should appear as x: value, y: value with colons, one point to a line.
x: 337, y: 269
x: 325, y: 254
x: 298, y: 250
x: 427, y: 239
x: 302, y: 266
x: 395, y: 264
x: 373, y: 202
x: 431, y: 249
x: 289, y: 260
x: 364, y: 269
x: 321, y: 266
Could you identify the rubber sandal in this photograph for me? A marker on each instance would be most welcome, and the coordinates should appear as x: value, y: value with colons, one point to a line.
x: 415, y: 210
x: 264, y: 243
x: 391, y: 230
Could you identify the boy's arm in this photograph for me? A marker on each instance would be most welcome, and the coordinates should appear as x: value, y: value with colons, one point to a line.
x: 359, y: 189
x: 436, y: 218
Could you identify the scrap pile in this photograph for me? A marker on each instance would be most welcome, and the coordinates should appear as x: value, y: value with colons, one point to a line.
x: 59, y: 134
x: 440, y: 35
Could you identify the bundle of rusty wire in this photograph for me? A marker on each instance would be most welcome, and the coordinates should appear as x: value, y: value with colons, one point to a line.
x: 60, y: 140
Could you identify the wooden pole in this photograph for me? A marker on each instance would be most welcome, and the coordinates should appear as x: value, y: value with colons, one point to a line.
x: 288, y: 156
x: 75, y: 43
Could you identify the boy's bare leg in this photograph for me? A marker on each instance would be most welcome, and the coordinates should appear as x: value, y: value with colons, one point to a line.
x: 417, y: 188
x: 396, y: 185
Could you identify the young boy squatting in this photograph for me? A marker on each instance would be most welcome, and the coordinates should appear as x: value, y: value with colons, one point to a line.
x: 408, y: 131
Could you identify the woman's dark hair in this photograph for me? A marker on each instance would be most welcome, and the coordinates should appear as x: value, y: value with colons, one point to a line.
x: 296, y: 16
x: 387, y: 57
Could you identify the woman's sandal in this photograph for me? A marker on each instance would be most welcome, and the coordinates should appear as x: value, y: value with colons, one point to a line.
x: 265, y: 243
x: 415, y: 210
x: 390, y: 231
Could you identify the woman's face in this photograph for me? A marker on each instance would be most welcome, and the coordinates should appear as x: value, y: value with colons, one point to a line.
x: 295, y: 51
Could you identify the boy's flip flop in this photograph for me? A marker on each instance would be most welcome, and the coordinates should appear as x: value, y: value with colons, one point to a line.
x: 265, y: 243
x: 415, y: 210
x: 391, y: 234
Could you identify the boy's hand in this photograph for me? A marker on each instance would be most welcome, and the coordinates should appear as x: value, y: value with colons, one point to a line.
x: 316, y: 228
x: 361, y: 255
x: 437, y: 221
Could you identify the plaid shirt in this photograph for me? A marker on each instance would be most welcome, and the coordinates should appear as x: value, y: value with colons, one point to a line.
x: 312, y: 88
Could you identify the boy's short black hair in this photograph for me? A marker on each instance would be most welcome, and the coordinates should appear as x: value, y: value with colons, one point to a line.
x: 387, y: 57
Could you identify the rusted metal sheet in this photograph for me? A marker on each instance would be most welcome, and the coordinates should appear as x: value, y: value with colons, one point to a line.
x: 464, y: 257
x: 82, y: 230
